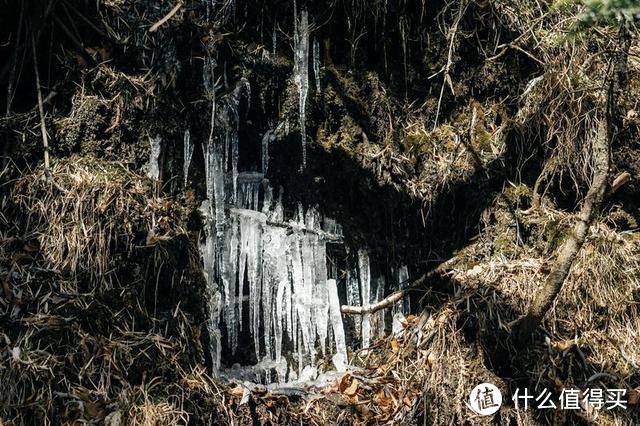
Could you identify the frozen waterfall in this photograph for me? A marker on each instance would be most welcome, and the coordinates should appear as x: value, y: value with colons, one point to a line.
x: 266, y: 268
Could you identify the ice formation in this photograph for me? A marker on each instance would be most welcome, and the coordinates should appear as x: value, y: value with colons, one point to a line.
x: 284, y: 266
x: 266, y: 270
x: 188, y: 154
x: 301, y: 73
x: 153, y: 166
x: 251, y: 252
x: 365, y: 294
x: 268, y: 137
x: 274, y: 42
x: 402, y: 278
x: 340, y: 357
x: 316, y: 63
x: 353, y: 294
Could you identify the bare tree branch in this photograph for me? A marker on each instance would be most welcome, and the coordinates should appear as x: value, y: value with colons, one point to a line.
x: 397, y: 296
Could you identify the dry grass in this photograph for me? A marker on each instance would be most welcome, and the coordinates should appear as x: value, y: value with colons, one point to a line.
x: 95, y: 211
x: 74, y: 346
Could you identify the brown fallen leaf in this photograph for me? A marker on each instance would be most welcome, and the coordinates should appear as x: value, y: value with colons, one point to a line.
x: 395, y: 345
x: 352, y: 389
x: 345, y: 381
x: 237, y: 391
x: 562, y: 345
x: 381, y: 398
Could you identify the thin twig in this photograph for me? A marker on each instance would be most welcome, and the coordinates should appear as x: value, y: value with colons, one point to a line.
x: 43, y: 126
x: 168, y: 16
x: 447, y: 77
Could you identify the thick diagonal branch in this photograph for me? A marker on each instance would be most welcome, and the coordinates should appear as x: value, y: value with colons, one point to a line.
x: 397, y: 296
x: 546, y: 296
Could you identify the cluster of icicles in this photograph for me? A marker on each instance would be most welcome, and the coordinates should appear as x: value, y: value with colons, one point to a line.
x: 292, y: 302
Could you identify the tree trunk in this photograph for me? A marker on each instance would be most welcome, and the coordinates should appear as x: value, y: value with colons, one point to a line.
x: 546, y: 296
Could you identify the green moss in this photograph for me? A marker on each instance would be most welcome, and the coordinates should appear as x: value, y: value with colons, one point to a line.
x: 505, y: 242
x: 518, y: 195
x: 347, y: 86
x: 623, y: 219
x: 553, y: 234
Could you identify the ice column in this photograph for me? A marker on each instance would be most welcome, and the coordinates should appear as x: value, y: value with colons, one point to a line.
x: 340, y: 357
x: 208, y: 251
x: 229, y: 271
x: 275, y: 284
x: 365, y: 292
x: 378, y: 317
x: 353, y: 294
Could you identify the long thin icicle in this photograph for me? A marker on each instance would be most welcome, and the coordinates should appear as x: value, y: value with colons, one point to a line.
x: 365, y: 292
x: 301, y: 74
x: 340, y: 357
x: 188, y: 154
x: 316, y: 63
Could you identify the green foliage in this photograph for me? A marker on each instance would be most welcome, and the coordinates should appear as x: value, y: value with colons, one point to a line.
x: 610, y: 11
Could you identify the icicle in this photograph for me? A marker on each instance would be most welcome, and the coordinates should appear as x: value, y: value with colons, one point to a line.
x: 153, y: 168
x: 255, y: 190
x: 242, y: 264
x: 403, y: 277
x: 320, y: 296
x: 301, y: 74
x: 214, y: 171
x: 214, y: 331
x: 365, y: 291
x: 316, y: 63
x: 300, y: 218
x: 340, y: 357
x: 266, y: 139
x: 378, y: 317
x: 235, y: 155
x: 213, y: 153
x: 353, y: 294
x: 249, y: 190
x: 300, y: 275
x: 274, y: 40
x: 251, y: 224
x: 208, y: 252
x: 188, y: 154
x: 231, y: 122
x: 229, y: 273
x: 268, y: 197
x: 274, y: 281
